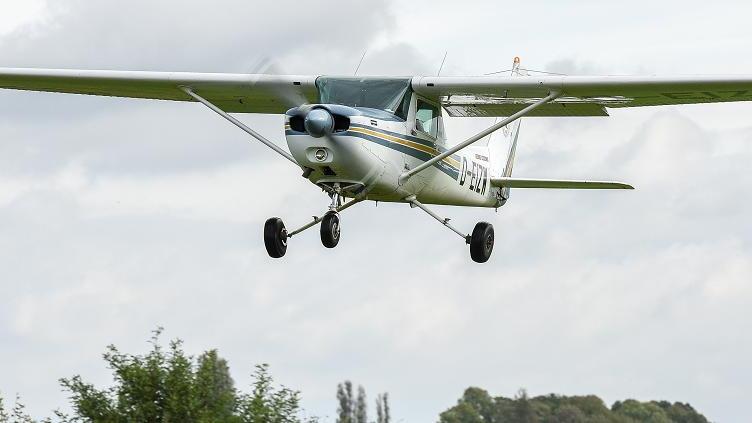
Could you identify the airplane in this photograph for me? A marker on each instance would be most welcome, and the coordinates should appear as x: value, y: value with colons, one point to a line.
x: 382, y: 138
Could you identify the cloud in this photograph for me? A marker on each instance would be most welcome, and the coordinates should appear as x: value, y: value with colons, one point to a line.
x: 120, y: 215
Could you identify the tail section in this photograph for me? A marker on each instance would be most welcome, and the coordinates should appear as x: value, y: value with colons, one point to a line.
x: 510, y: 134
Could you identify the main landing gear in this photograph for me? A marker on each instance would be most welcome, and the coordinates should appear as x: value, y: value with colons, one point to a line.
x: 481, y: 241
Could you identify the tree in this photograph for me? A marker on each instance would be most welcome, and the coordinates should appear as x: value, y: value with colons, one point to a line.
x: 523, y: 410
x: 214, y: 388
x: 17, y: 413
x: 481, y: 402
x: 382, y: 408
x: 641, y: 411
x: 268, y: 404
x: 361, y: 407
x: 346, y: 407
x: 166, y: 387
x: 387, y: 410
x: 461, y: 413
x: 351, y: 409
x: 3, y: 415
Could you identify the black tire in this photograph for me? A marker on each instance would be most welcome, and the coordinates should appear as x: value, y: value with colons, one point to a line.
x: 330, y: 230
x: 275, y: 237
x: 482, y: 242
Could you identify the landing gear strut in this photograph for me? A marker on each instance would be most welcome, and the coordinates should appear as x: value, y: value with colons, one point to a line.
x: 481, y: 241
x: 276, y: 236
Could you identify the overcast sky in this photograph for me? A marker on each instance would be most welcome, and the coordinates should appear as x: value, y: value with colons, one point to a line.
x: 118, y: 216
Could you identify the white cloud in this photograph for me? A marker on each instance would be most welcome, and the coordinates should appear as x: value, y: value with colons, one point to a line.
x: 117, y: 216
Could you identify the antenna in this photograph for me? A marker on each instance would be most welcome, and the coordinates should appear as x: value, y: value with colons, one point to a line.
x: 442, y: 63
x: 361, y: 61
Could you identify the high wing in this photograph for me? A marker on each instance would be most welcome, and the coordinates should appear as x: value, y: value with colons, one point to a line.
x: 580, y: 95
x: 460, y: 96
x: 233, y: 93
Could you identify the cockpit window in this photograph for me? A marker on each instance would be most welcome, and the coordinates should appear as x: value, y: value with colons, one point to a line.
x: 391, y: 95
x: 427, y: 118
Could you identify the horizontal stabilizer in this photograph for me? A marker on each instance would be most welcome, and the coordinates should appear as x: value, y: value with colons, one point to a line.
x: 505, y: 182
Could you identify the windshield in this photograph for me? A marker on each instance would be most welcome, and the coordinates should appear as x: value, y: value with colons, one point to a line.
x: 391, y: 95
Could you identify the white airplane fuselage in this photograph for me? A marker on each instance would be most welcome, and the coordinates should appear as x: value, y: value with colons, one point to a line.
x: 368, y: 156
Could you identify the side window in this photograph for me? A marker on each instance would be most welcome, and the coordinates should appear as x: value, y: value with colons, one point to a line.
x: 427, y: 118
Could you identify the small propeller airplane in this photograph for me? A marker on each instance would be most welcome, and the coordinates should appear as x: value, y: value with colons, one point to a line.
x: 383, y: 139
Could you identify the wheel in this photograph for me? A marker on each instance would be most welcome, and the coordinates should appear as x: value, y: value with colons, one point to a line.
x: 482, y: 242
x: 330, y: 230
x: 275, y: 237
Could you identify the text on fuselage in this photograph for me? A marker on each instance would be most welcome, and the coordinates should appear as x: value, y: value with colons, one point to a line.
x: 474, y: 173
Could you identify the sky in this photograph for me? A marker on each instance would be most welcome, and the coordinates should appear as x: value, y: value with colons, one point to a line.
x: 118, y: 216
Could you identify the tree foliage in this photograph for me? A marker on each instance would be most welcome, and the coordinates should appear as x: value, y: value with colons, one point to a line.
x: 383, y: 413
x: 166, y: 386
x: 477, y: 406
x: 351, y: 409
x: 346, y: 407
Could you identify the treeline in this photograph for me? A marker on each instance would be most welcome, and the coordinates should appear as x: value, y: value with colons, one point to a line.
x: 166, y: 385
x: 477, y: 406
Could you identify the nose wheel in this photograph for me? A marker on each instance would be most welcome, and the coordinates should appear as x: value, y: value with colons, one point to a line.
x: 276, y: 236
x: 330, y: 229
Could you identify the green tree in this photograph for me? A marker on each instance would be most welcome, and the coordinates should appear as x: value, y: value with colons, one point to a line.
x: 268, y: 404
x: 3, y: 415
x: 382, y: 408
x: 523, y: 408
x: 387, y: 410
x: 681, y: 413
x: 214, y: 388
x: 641, y: 411
x: 461, y: 413
x: 361, y: 407
x: 170, y: 386
x: 568, y: 414
x: 17, y: 413
x: 346, y: 408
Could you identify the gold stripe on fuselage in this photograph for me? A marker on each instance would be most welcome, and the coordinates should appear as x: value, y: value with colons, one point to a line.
x: 407, y: 143
x: 401, y: 141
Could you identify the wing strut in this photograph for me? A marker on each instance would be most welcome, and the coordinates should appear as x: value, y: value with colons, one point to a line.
x: 240, y: 125
x: 406, y: 175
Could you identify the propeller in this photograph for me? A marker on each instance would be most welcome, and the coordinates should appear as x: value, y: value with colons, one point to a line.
x: 318, y: 121
x: 291, y: 96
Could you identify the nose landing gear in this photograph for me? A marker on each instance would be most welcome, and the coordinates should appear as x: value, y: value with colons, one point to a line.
x: 330, y: 229
x: 276, y: 236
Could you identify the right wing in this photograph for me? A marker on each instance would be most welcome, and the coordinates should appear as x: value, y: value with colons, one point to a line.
x: 580, y: 95
x: 233, y: 93
x: 508, y: 182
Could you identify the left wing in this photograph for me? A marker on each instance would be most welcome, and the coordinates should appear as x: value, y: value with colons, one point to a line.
x: 580, y: 95
x: 508, y: 182
x: 233, y: 93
